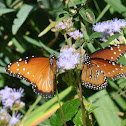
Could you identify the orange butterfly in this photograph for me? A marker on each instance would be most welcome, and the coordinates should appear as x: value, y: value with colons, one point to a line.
x: 39, y: 71
x: 101, y: 65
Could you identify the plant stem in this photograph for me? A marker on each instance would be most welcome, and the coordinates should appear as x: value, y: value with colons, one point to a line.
x: 102, y: 13
x: 65, y: 36
x: 61, y: 108
x: 31, y: 108
x: 79, y: 91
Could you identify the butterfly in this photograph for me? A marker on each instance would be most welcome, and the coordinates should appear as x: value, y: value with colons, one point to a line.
x: 39, y: 71
x: 101, y: 65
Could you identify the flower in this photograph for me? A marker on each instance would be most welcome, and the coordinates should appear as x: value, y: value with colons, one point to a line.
x: 76, y: 35
x: 68, y: 59
x: 109, y: 28
x: 117, y: 25
x: 4, y: 93
x: 9, y: 96
x: 66, y: 25
x: 4, y: 117
x: 14, y: 120
x: 102, y: 27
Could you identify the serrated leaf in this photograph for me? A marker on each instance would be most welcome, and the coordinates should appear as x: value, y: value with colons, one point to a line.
x: 69, y: 110
x: 78, y: 119
x: 87, y: 15
x: 21, y: 17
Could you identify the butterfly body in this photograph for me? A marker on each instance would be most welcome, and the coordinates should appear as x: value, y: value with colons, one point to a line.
x: 39, y: 71
x: 101, y: 65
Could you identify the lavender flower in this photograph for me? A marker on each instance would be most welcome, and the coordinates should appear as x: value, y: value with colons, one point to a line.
x: 4, y: 117
x: 76, y: 35
x: 5, y: 93
x: 68, y: 59
x: 64, y: 26
x: 104, y: 26
x: 117, y: 25
x: 110, y: 27
x: 9, y: 96
x: 14, y: 120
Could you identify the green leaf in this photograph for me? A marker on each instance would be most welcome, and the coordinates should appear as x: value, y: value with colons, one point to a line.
x: 91, y: 47
x: 40, y: 44
x: 119, y: 7
x: 119, y: 100
x: 2, y: 5
x: 47, y: 109
x: 2, y: 70
x: 106, y: 113
x: 122, y: 60
x: 18, y: 45
x: 76, y: 2
x: 69, y: 110
x: 87, y: 15
x: 111, y: 38
x: 96, y: 35
x: 78, y: 119
x: 50, y: 26
x: 5, y: 10
x: 21, y: 17
x: 123, y: 123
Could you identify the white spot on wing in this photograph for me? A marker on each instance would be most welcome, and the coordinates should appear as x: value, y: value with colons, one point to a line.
x: 23, y: 69
x: 17, y: 69
x: 119, y: 50
x: 20, y: 59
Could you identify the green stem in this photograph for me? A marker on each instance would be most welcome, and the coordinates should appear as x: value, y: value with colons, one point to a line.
x: 79, y: 91
x: 61, y: 108
x: 97, y: 7
x: 85, y: 33
x: 31, y: 108
x: 103, y: 12
x: 65, y: 36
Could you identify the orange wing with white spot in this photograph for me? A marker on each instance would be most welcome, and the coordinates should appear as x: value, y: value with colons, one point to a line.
x: 39, y: 71
x: 93, y: 77
x: 113, y: 52
x: 94, y: 73
x: 111, y: 69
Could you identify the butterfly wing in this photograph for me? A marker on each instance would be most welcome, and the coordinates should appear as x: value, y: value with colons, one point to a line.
x: 111, y: 69
x: 94, y: 73
x: 39, y: 71
x: 93, y: 77
x: 113, y: 52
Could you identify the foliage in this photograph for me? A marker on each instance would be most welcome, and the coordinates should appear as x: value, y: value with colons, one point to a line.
x: 25, y: 30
